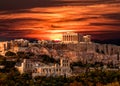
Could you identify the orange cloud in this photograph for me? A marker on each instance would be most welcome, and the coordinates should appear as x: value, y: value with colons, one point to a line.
x: 51, y: 22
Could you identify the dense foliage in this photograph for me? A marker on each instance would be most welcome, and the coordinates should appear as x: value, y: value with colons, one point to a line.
x: 9, y: 53
x: 47, y: 59
x: 11, y: 77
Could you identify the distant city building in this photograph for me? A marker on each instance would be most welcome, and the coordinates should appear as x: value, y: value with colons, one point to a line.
x: 40, y: 69
x: 4, y: 46
x: 87, y: 38
x: 74, y: 45
x: 20, y: 42
x: 19, y: 49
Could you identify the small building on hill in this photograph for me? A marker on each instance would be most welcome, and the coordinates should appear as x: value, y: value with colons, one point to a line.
x: 40, y: 69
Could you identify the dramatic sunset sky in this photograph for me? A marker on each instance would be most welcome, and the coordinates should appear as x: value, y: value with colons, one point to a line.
x: 48, y: 19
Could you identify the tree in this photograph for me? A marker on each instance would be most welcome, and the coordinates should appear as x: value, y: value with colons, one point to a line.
x: 48, y: 59
x: 9, y: 53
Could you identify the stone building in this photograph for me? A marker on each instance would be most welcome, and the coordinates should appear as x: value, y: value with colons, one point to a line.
x: 41, y: 69
x: 71, y: 37
x: 4, y: 46
x: 87, y: 38
x: 75, y: 38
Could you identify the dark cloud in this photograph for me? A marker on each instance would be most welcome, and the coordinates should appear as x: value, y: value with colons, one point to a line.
x: 23, y: 11
x: 55, y: 26
x: 11, y: 34
x: 8, y: 23
x: 105, y: 24
x: 77, y: 19
x: 15, y: 11
x: 106, y: 35
x: 114, y: 16
x: 19, y: 19
x: 26, y: 4
x: 103, y: 35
